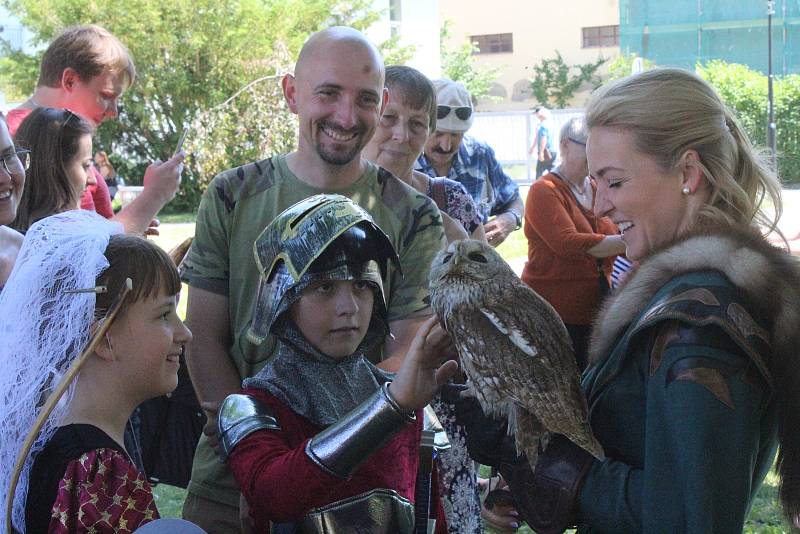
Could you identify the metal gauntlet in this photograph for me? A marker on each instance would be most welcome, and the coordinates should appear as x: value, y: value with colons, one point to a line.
x: 340, y: 448
x: 240, y: 416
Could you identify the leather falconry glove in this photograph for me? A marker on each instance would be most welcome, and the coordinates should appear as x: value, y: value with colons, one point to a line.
x: 547, y: 498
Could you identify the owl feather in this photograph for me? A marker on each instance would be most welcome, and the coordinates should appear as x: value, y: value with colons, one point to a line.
x: 513, y: 347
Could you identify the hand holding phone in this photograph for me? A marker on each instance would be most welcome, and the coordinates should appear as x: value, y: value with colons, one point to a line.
x: 181, y: 140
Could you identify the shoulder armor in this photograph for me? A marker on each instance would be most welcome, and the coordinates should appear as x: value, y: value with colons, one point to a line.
x: 716, y: 303
x: 239, y: 416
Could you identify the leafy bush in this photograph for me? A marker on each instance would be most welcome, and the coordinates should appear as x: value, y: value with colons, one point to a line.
x: 554, y: 84
x: 745, y: 90
x: 459, y: 65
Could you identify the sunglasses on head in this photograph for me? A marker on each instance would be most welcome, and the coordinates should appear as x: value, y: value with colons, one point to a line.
x: 576, y: 141
x: 70, y: 116
x: 463, y: 113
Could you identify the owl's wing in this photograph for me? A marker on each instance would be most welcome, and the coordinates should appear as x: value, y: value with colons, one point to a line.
x: 545, y: 376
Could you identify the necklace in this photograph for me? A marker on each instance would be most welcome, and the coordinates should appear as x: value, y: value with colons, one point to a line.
x: 579, y: 190
x: 582, y: 194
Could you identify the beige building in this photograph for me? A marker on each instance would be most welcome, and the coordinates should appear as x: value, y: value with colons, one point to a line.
x: 516, y: 34
x: 416, y: 24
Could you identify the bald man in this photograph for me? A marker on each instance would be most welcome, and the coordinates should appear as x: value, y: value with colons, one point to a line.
x: 338, y: 95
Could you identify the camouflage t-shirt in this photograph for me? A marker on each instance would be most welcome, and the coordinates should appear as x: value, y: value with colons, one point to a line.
x: 236, y: 207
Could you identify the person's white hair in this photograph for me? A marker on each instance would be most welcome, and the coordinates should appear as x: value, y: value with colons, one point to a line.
x: 44, y: 329
x: 575, y: 130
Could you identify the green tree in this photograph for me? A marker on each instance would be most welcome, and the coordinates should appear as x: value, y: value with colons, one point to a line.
x: 459, y: 64
x: 191, y: 57
x: 554, y: 83
x: 621, y: 66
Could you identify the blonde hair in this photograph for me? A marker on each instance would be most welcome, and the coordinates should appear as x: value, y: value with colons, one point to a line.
x: 669, y: 111
x: 89, y: 50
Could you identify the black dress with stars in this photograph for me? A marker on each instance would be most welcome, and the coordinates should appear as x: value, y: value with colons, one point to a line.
x: 83, y: 481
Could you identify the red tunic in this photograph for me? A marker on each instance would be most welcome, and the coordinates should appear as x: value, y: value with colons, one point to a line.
x: 281, y: 483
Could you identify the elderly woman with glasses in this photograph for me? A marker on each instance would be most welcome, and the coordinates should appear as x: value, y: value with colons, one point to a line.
x: 570, y: 250
x: 13, y: 162
x: 60, y: 143
x: 410, y: 116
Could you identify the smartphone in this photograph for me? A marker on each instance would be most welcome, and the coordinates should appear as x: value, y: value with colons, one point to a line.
x: 181, y: 140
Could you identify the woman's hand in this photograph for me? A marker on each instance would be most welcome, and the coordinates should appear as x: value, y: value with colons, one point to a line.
x: 422, y: 372
x: 211, y: 430
x: 498, y: 509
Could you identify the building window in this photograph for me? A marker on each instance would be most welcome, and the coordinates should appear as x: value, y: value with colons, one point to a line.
x: 597, y: 36
x: 496, y: 43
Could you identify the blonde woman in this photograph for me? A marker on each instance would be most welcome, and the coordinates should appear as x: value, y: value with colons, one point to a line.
x: 692, y: 381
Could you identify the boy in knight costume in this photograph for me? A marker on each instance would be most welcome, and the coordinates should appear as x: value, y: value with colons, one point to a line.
x: 320, y: 436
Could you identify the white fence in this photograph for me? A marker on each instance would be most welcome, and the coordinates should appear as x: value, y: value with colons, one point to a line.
x: 511, y: 133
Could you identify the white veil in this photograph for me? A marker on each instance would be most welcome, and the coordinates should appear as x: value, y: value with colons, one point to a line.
x: 43, y: 330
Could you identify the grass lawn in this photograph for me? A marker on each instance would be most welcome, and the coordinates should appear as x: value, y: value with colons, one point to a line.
x: 765, y: 516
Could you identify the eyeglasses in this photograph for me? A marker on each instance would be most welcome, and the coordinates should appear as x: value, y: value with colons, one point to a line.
x: 17, y: 162
x: 576, y: 141
x: 463, y: 113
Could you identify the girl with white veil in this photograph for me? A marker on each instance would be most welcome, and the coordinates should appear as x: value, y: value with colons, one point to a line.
x: 77, y: 476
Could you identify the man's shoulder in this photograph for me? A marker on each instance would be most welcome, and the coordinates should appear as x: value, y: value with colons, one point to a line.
x: 15, y: 117
x: 402, y: 211
x: 397, y: 196
x: 236, y: 184
x: 474, y: 145
x: 474, y: 152
x: 254, y: 173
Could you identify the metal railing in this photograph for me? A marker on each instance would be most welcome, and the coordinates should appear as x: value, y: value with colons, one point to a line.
x: 511, y: 133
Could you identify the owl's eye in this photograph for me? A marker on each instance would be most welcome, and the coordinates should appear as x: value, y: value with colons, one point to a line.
x: 446, y: 258
x: 477, y: 256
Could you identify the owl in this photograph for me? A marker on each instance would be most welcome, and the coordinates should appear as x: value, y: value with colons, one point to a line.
x: 513, y: 347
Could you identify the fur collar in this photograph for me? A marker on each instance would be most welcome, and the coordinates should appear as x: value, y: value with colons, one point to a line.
x: 769, y: 277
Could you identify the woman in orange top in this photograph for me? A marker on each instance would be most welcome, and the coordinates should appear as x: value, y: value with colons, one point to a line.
x: 570, y: 251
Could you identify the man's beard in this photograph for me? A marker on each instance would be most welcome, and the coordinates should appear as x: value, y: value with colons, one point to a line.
x: 339, y: 157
